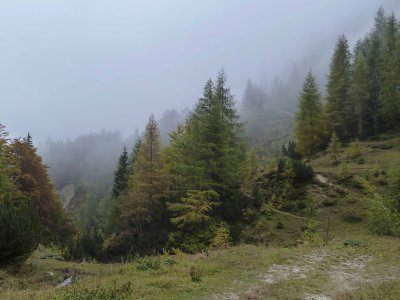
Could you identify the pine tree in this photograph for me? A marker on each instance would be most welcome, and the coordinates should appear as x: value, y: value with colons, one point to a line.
x: 121, y: 175
x: 133, y: 156
x: 340, y: 108
x: 209, y: 149
x: 122, y: 183
x: 363, y: 108
x: 372, y: 48
x: 389, y: 93
x: 310, y: 123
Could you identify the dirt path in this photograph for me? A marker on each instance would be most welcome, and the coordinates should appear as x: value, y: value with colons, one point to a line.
x: 321, y: 178
x: 333, y: 272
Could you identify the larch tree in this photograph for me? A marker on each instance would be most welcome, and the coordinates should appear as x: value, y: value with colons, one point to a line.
x: 143, y: 209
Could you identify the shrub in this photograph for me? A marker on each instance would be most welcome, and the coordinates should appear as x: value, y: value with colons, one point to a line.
x: 354, y: 151
x: 329, y: 202
x: 382, y: 217
x: 195, y: 274
x: 279, y: 225
x: 114, y: 292
x: 352, y: 218
x: 343, y: 173
x: 147, y: 263
x: 302, y: 170
x: 313, y: 235
x: 267, y: 209
x: 351, y: 199
x: 222, y: 238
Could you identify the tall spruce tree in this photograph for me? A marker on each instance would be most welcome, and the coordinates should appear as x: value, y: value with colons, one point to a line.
x: 340, y: 108
x: 209, y: 149
x: 310, y: 124
x: 389, y: 93
x: 122, y: 183
x: 121, y: 175
x: 363, y: 108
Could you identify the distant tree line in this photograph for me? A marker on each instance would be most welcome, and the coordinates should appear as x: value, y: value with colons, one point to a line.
x: 362, y: 93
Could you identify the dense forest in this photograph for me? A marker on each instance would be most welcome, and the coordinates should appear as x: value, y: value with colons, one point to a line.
x: 204, y: 183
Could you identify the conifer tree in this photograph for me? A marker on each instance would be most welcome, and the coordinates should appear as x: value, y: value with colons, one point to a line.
x: 372, y: 48
x: 35, y: 185
x: 125, y: 171
x: 340, y: 108
x: 310, y: 123
x: 207, y: 152
x: 144, y: 206
x: 133, y: 156
x: 389, y: 94
x: 20, y: 195
x: 121, y: 175
x: 363, y: 108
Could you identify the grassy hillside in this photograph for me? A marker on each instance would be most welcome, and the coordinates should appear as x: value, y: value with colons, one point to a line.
x: 281, y: 266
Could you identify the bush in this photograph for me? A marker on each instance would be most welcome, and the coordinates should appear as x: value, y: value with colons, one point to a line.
x: 343, y: 173
x: 279, y: 225
x: 222, y: 238
x: 354, y: 151
x: 147, y: 263
x: 195, y: 274
x: 382, y: 217
x: 351, y: 199
x: 114, y: 292
x: 329, y: 202
x: 302, y: 170
x: 352, y: 218
x: 267, y: 209
x: 313, y: 235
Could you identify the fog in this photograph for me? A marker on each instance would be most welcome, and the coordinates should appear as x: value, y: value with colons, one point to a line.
x: 69, y: 67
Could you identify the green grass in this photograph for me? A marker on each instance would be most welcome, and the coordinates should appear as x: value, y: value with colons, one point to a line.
x: 223, y: 271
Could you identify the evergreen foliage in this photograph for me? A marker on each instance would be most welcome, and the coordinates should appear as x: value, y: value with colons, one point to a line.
x: 193, y: 217
x: 19, y: 230
x: 35, y: 185
x: 207, y: 151
x: 310, y: 121
x: 340, y: 108
x: 30, y: 211
x: 143, y: 209
x: 121, y: 175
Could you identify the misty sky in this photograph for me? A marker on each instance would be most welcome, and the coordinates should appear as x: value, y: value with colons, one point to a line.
x: 69, y: 67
